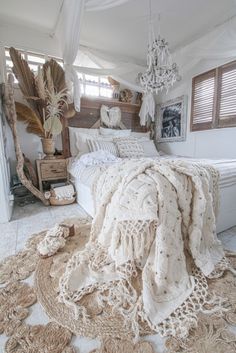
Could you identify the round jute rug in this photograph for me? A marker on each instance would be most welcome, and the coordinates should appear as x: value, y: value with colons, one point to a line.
x: 214, y: 333
x: 101, y: 323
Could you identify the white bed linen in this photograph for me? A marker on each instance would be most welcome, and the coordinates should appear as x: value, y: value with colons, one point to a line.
x: 86, y: 175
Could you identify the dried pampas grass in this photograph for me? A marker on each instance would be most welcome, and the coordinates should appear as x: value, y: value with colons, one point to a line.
x: 30, y: 118
x: 46, y: 94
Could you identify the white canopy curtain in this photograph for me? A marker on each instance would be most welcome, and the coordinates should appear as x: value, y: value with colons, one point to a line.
x: 95, y: 62
x: 219, y: 44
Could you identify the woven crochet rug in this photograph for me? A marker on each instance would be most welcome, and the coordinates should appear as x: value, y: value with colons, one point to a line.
x: 213, y: 334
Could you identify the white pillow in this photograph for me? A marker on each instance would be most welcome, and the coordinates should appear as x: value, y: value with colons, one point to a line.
x: 98, y: 157
x: 73, y: 132
x: 81, y: 143
x: 129, y: 147
x: 149, y: 148
x: 114, y: 133
x: 102, y: 145
x: 141, y: 135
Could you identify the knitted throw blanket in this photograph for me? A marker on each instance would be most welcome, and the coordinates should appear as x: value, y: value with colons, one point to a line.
x: 155, y: 221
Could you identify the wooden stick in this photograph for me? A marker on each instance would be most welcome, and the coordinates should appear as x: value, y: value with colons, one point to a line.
x: 9, y: 106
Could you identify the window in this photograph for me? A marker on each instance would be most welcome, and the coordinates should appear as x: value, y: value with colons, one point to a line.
x: 95, y: 86
x: 214, y: 98
x: 34, y: 60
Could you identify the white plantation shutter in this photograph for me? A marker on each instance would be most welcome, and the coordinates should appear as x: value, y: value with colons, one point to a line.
x: 227, y: 95
x: 214, y: 98
x: 203, y: 100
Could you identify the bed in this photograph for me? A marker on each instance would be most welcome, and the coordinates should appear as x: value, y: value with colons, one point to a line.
x: 83, y: 183
x: 227, y: 210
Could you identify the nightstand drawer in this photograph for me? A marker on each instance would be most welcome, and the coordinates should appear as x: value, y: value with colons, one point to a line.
x: 53, y: 170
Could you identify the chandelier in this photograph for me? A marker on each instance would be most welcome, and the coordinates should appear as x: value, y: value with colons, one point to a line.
x: 161, y: 71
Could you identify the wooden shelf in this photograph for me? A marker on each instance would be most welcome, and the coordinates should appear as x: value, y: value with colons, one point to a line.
x: 95, y: 103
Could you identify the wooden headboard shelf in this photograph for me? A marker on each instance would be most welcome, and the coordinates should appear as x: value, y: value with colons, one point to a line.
x: 90, y: 113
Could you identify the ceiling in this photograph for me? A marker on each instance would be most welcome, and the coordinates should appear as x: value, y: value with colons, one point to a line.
x: 123, y: 30
x: 39, y: 14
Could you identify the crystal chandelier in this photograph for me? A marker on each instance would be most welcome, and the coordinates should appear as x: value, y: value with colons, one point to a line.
x: 161, y: 72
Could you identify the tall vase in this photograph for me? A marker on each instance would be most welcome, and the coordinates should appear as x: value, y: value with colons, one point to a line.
x: 48, y: 147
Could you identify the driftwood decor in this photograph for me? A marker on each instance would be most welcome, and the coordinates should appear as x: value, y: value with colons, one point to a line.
x: 10, y: 110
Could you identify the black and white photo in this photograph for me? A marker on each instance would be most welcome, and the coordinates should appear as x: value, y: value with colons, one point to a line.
x: 171, y: 120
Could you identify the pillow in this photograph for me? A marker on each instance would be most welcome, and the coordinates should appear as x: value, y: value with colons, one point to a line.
x: 141, y: 135
x: 129, y: 147
x: 149, y: 148
x: 98, y: 145
x: 73, y: 132
x: 114, y: 133
x: 97, y: 158
x: 81, y: 143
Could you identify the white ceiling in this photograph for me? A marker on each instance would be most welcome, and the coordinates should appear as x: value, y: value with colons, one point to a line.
x: 123, y: 29
x: 38, y: 14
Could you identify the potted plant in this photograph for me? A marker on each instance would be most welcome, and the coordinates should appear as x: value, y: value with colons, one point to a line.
x: 47, y: 97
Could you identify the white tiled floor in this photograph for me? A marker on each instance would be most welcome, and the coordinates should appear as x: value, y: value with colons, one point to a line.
x: 34, y: 218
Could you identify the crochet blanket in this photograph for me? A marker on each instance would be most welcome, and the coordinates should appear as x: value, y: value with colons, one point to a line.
x: 155, y: 223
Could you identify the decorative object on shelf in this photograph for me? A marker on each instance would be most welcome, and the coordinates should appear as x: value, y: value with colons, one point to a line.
x: 46, y: 94
x: 116, y: 88
x: 48, y: 145
x: 161, y: 72
x: 126, y: 95
x: 171, y: 120
x: 110, y: 117
x: 139, y: 98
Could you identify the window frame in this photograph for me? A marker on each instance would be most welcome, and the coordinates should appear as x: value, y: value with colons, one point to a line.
x: 83, y: 81
x: 216, y: 122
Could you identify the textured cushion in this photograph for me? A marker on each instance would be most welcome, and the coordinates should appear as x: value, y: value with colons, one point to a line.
x: 140, y: 135
x: 75, y: 136
x: 81, y: 143
x: 129, y: 147
x: 149, y: 148
x: 97, y: 145
x: 114, y: 133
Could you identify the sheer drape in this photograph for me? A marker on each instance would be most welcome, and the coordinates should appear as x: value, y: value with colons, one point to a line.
x: 219, y: 44
x: 69, y: 35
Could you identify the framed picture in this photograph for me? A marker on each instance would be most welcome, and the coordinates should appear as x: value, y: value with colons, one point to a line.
x: 171, y: 120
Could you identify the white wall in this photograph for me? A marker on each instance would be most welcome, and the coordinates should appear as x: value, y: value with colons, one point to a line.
x: 6, y: 203
x: 217, y: 143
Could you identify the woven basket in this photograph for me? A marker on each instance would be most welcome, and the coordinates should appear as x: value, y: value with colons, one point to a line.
x: 55, y: 202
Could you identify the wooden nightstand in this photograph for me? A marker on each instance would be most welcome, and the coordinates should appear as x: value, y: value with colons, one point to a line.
x: 51, y: 169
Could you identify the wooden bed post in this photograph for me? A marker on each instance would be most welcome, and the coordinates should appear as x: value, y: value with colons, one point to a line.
x: 65, y: 138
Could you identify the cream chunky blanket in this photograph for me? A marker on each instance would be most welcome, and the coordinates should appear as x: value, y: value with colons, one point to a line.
x: 155, y: 225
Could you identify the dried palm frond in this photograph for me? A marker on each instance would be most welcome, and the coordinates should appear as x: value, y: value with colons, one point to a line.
x: 40, y: 85
x: 30, y: 118
x: 69, y: 111
x: 56, y: 102
x: 49, y: 81
x: 57, y: 74
x: 53, y: 126
x: 25, y: 77
x: 113, y: 82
